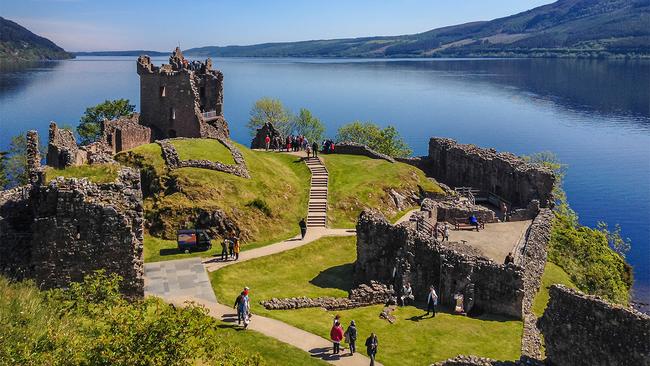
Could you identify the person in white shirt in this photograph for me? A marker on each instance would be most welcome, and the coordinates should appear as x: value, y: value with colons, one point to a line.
x: 432, y: 301
x: 407, y: 293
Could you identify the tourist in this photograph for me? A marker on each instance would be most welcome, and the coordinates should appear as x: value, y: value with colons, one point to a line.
x: 407, y: 293
x: 351, y: 337
x: 288, y: 143
x: 314, y: 147
x: 267, y: 142
x: 432, y: 301
x: 504, y: 211
x: 305, y: 143
x: 231, y: 247
x: 246, y: 308
x: 337, y: 319
x: 224, y: 249
x: 474, y: 221
x: 308, y: 149
x: 238, y: 306
x: 371, y: 347
x: 509, y: 258
x: 446, y: 232
x: 336, y: 334
x: 236, y: 247
x: 303, y: 228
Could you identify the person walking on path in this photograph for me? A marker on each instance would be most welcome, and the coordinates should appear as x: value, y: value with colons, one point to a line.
x: 308, y: 149
x: 432, y: 301
x: 371, y: 347
x: 303, y: 227
x: 267, y: 142
x: 239, y: 307
x: 336, y: 334
x: 351, y: 337
x: 236, y: 247
x: 231, y: 247
x: 224, y: 249
x: 445, y: 232
x: 314, y: 148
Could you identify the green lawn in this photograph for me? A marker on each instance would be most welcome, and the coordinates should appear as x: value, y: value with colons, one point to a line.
x: 99, y: 173
x: 203, y: 149
x: 358, y: 182
x: 552, y: 275
x: 324, y: 268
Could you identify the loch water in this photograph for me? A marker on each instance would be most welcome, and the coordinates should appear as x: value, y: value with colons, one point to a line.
x: 594, y: 114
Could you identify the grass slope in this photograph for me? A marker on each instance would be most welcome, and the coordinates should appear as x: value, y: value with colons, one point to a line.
x: 358, y: 182
x: 553, y: 274
x: 324, y: 268
x: 280, y: 180
x: 101, y: 173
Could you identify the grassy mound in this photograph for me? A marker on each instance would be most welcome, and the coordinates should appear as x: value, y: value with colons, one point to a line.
x: 358, y: 182
x: 203, y: 149
x: 91, y: 324
x: 100, y: 173
x: 324, y: 268
x: 266, y: 207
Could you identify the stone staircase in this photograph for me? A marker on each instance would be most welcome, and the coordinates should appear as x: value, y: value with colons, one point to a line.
x: 317, y: 211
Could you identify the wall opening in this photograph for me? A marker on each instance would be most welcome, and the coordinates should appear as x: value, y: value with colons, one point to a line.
x: 163, y: 91
x: 172, y: 113
x: 202, y: 92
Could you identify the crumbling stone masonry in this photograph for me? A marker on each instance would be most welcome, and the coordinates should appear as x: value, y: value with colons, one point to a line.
x: 354, y: 148
x: 63, y: 151
x: 125, y: 133
x: 259, y: 141
x: 503, y: 174
x: 59, y: 232
x: 586, y: 330
x: 182, y: 98
x: 396, y: 254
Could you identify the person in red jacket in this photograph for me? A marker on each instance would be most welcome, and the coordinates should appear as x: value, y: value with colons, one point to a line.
x: 337, y: 335
x: 267, y: 142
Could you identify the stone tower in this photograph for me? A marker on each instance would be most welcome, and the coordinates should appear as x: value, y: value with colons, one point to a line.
x: 181, y: 99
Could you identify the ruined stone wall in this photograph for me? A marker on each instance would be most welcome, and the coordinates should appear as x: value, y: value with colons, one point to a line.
x: 59, y: 232
x: 353, y: 148
x: 258, y: 142
x: 585, y: 330
x: 398, y: 254
x: 125, y: 133
x: 451, y: 208
x: 503, y: 174
x: 62, y: 149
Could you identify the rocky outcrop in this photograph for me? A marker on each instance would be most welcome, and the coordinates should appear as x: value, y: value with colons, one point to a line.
x: 585, y: 330
x: 259, y: 141
x: 354, y: 148
x: 503, y: 174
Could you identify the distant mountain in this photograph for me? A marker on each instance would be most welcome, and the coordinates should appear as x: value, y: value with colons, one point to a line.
x: 122, y: 53
x: 589, y: 28
x: 18, y: 43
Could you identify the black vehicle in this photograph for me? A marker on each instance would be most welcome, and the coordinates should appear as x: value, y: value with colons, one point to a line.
x: 193, y: 240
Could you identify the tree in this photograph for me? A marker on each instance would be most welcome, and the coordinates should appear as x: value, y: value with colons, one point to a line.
x: 308, y: 125
x: 386, y: 141
x: 270, y: 110
x: 16, y: 162
x: 4, y: 178
x: 89, y: 128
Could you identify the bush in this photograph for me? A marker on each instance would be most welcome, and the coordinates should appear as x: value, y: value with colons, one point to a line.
x: 386, y: 141
x: 261, y: 205
x: 308, y: 125
x: 92, y: 324
x: 270, y: 110
x: 89, y: 128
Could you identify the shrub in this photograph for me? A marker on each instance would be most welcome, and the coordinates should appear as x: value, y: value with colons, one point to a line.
x: 386, y: 141
x: 261, y: 205
x: 89, y: 128
x: 273, y: 111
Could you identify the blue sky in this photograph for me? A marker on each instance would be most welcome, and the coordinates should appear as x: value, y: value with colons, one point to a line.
x: 79, y: 25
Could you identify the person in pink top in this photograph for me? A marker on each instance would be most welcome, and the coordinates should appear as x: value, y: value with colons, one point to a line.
x: 336, y: 334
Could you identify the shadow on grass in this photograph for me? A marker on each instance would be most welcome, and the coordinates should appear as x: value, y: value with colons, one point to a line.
x: 339, y: 277
x: 231, y: 326
x: 476, y: 313
x: 169, y: 251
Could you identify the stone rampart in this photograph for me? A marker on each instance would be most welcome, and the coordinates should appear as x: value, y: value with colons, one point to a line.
x: 59, y: 232
x: 503, y: 174
x: 173, y: 160
x: 394, y: 255
x: 353, y: 148
x: 456, y: 207
x: 62, y: 149
x: 585, y: 330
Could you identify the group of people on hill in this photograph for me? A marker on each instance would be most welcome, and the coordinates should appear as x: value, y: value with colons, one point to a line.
x: 230, y: 247
x: 349, y: 336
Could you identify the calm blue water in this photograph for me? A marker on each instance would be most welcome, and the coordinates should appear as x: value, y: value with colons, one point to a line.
x: 595, y: 115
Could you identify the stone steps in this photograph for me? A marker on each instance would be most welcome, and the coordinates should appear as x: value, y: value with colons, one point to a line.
x: 317, y: 208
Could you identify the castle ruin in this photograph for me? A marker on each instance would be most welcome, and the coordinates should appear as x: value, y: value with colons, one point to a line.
x: 182, y: 98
